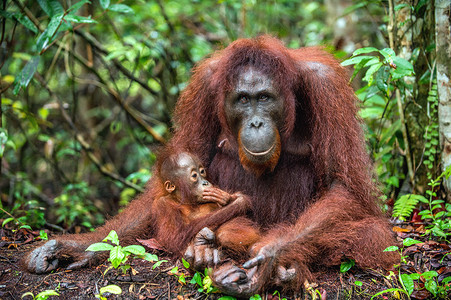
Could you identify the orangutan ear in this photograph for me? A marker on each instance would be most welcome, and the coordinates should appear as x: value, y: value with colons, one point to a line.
x: 169, y: 186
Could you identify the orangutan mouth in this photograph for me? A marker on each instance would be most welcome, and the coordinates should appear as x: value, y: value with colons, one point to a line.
x: 257, y: 154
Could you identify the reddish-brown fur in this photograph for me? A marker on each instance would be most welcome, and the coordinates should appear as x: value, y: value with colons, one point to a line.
x: 317, y: 205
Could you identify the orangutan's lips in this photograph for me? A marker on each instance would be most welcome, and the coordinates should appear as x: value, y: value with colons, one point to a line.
x: 259, y: 153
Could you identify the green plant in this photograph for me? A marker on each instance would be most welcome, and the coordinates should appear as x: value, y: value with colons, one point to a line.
x: 120, y: 255
x: 441, y: 223
x: 71, y: 205
x: 42, y: 295
x: 407, y: 281
x: 346, y: 265
x: 112, y: 289
x: 431, y: 134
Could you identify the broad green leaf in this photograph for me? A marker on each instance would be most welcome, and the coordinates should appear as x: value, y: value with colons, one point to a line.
x: 256, y: 297
x: 112, y: 288
x: 196, y: 279
x: 116, y: 256
x: 53, y: 25
x: 158, y: 263
x: 408, y: 283
x: 391, y: 248
x: 113, y: 237
x: 51, y: 7
x: 149, y: 257
x: 388, y: 54
x: 346, y: 265
x: 25, y: 21
x: 358, y: 283
x: 79, y: 19
x: 227, y: 298
x: 135, y: 249
x: 409, y: 242
x: 42, y: 41
x: 122, y: 8
x: 356, y: 60
x: 364, y: 50
x: 104, y: 3
x: 74, y: 8
x: 431, y: 286
x: 26, y: 227
x: 24, y: 77
x: 185, y: 263
x: 99, y: 247
x: 6, y: 221
x: 369, y: 74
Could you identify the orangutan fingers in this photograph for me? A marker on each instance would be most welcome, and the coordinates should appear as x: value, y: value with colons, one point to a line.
x: 256, y: 261
x: 189, y: 254
x: 217, y: 256
x: 285, y: 275
x: 78, y: 264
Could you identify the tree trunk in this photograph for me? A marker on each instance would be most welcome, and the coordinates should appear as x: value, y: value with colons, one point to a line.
x: 443, y: 48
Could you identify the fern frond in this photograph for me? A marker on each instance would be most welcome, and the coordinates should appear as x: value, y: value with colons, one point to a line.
x: 405, y: 204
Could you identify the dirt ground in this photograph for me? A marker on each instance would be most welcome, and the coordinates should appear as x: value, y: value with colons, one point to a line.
x: 161, y: 284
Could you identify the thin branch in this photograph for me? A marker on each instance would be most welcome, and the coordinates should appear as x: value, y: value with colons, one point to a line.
x: 85, y: 145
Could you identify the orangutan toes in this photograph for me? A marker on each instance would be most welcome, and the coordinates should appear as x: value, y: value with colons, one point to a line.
x: 202, y: 251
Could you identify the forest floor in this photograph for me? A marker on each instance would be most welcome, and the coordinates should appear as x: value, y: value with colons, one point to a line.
x: 160, y: 283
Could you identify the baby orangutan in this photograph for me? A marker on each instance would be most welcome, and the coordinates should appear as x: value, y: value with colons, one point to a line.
x: 190, y: 206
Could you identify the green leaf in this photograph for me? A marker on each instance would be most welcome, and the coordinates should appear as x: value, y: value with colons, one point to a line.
x: 158, y: 263
x: 116, y: 256
x: 409, y: 242
x: 135, y: 249
x: 389, y: 291
x: 405, y: 204
x: 149, y: 257
x: 256, y: 297
x: 122, y: 8
x: 51, y: 7
x: 364, y: 50
x: 6, y: 221
x: 25, y: 21
x: 45, y: 294
x: 74, y: 8
x: 104, y: 3
x: 197, y: 279
x: 26, y: 227
x: 431, y: 286
x: 185, y: 263
x: 346, y: 265
x: 358, y: 283
x: 388, y: 54
x: 43, y: 235
x: 79, y: 19
x: 112, y: 288
x: 227, y: 298
x: 369, y: 73
x: 356, y: 60
x: 99, y: 247
x: 391, y: 248
x: 113, y: 237
x: 53, y: 25
x: 429, y: 275
x: 408, y: 283
x: 24, y: 77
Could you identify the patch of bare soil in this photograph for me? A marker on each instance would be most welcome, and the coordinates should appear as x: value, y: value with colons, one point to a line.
x: 159, y: 283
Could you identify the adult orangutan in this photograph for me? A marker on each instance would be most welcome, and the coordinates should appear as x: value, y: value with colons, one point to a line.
x: 280, y: 126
